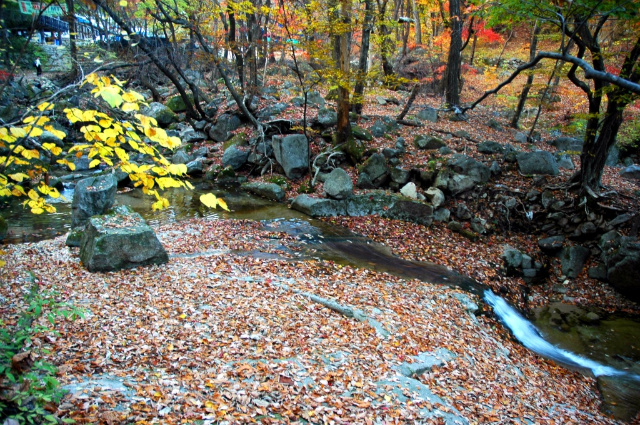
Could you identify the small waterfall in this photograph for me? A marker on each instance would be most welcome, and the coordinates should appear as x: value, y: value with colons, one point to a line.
x: 530, y: 337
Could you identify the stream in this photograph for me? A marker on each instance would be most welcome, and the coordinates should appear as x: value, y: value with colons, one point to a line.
x: 608, y: 350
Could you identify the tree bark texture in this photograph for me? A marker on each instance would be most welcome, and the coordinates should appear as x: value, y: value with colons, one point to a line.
x: 452, y: 72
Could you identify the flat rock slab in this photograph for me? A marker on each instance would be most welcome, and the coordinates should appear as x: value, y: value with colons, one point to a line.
x: 120, y: 240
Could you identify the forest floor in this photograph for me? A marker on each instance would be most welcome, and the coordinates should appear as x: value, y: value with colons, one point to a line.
x: 219, y: 337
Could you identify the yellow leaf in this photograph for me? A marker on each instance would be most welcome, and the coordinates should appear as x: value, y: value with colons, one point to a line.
x: 18, y: 177
x: 223, y: 204
x: 123, y: 3
x: 18, y: 132
x: 57, y: 133
x: 45, y: 105
x: 178, y: 169
x: 183, y: 316
x: 129, y: 106
x: 51, y: 147
x: 94, y: 163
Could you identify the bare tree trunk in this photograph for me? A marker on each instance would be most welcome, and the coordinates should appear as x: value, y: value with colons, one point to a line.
x: 73, y: 48
x: 416, y: 18
x: 452, y: 74
x: 367, y: 24
x: 533, y: 47
x: 343, y: 130
x: 386, y: 45
x: 473, y: 49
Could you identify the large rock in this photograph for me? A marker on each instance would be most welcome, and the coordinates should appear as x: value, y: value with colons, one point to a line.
x: 375, y: 202
x: 376, y: 169
x: 319, y: 207
x: 425, y: 142
x: 537, y: 162
x: 92, y: 196
x: 573, y: 259
x: 411, y: 211
x: 177, y: 104
x: 435, y: 196
x: 632, y: 172
x: 327, y: 117
x: 568, y: 145
x: 235, y: 157
x: 622, y: 258
x: 221, y: 132
x: 292, y: 153
x: 270, y: 191
x: 468, y: 166
x: 490, y: 147
x: 162, y: 114
x: 338, y: 184
x: 428, y: 114
x: 120, y: 240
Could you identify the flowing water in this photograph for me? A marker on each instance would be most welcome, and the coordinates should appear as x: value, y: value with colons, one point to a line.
x: 613, y: 357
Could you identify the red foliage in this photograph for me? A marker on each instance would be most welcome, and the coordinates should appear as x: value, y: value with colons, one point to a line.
x: 484, y: 34
x: 612, y: 69
x: 4, y: 76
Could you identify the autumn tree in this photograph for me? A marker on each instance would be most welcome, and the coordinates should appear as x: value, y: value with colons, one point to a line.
x: 607, y: 73
x: 451, y: 81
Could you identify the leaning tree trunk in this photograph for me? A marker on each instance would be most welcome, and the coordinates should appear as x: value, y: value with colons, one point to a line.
x: 595, y: 152
x: 452, y: 74
x: 527, y: 87
x: 358, y: 98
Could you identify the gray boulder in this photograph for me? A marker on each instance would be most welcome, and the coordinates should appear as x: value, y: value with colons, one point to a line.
x: 292, y: 153
x: 435, y: 196
x: 221, y: 132
x: 375, y: 169
x: 338, y: 184
x: 569, y: 145
x: 409, y: 190
x: 411, y: 211
x: 235, y: 157
x: 468, y: 166
x: 453, y: 183
x: 428, y: 142
x: 92, y: 196
x: 632, y: 172
x: 537, y: 162
x: 180, y: 157
x: 428, y: 114
x: 551, y: 245
x: 361, y: 133
x: 399, y: 175
x: 162, y: 114
x: 490, y: 147
x: 621, y: 255
x: 196, y: 167
x: 120, y: 240
x: 327, y: 117
x: 512, y: 259
x: 270, y: 191
x: 573, y: 259
x: 319, y: 207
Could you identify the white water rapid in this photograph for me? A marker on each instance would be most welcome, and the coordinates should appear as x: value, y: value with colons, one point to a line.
x: 530, y: 337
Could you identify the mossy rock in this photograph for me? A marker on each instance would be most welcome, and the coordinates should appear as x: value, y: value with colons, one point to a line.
x: 361, y: 133
x: 176, y: 103
x: 354, y: 149
x: 240, y: 139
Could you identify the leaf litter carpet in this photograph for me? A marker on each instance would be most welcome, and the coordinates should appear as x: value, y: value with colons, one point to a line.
x: 237, y: 329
